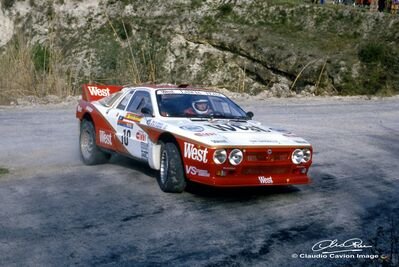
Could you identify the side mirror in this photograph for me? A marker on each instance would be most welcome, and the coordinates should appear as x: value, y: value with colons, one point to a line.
x: 147, y: 112
x: 250, y: 114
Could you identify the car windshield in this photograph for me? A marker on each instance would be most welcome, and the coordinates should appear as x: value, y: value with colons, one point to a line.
x: 197, y: 105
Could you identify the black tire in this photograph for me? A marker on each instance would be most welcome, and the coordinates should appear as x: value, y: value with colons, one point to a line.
x: 90, y: 153
x: 171, y: 174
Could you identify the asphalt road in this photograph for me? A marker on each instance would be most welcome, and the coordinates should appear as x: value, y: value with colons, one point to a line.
x: 55, y: 211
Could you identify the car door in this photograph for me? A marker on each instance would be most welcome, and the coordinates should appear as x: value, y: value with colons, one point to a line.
x: 130, y: 133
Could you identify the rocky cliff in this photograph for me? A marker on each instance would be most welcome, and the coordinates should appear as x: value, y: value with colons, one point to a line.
x: 276, y: 48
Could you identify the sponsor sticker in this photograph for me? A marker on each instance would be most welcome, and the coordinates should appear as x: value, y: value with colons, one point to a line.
x: 204, y: 134
x: 156, y: 124
x: 195, y: 171
x: 133, y: 117
x: 105, y: 138
x: 79, y: 108
x: 123, y: 123
x: 89, y: 109
x: 192, y: 128
x: 218, y: 141
x: 144, y: 150
x: 194, y: 153
x: 95, y: 91
x: 263, y: 141
x: 141, y: 136
x: 188, y: 92
x: 233, y: 127
x: 265, y: 180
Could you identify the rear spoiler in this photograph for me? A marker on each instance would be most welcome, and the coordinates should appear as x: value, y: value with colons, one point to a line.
x: 93, y: 92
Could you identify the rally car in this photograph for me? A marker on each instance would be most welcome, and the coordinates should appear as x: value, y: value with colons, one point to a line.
x: 188, y: 134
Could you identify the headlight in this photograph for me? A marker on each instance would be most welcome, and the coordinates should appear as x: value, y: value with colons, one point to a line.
x: 307, y: 155
x: 219, y: 156
x: 235, y: 157
x: 297, y: 156
x: 301, y: 156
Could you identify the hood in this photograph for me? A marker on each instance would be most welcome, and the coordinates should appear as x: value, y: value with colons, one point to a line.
x: 237, y: 133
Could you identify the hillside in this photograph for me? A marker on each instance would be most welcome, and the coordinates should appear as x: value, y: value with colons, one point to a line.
x: 275, y: 48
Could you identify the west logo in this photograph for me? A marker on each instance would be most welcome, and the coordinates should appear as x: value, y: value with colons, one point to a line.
x: 265, y: 180
x: 105, y: 138
x: 98, y: 92
x: 194, y: 153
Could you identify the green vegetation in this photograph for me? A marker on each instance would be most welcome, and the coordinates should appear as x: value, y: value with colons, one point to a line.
x: 3, y: 171
x: 7, y: 3
x: 232, y: 44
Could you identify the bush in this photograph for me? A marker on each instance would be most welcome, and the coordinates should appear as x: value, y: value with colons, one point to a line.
x: 225, y: 9
x: 41, y: 57
x: 7, y: 3
x: 372, y: 53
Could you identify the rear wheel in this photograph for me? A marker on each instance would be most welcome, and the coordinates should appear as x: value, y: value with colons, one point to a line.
x: 91, y: 154
x: 171, y: 174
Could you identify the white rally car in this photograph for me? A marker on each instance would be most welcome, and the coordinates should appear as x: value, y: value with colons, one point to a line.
x: 188, y: 134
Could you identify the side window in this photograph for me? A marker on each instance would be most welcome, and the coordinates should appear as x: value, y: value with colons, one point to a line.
x: 125, y: 100
x: 139, y: 100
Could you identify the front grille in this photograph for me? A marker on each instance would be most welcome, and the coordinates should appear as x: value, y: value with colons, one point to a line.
x: 264, y: 156
x: 265, y: 170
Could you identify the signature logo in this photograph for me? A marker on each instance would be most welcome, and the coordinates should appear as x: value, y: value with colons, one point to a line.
x: 334, y: 246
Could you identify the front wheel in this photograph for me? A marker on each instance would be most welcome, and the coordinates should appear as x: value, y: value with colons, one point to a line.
x: 171, y: 174
x: 91, y: 154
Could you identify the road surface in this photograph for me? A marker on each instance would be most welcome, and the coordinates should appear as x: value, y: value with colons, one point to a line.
x: 55, y: 211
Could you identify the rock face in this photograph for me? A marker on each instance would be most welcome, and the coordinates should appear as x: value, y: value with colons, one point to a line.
x: 251, y: 46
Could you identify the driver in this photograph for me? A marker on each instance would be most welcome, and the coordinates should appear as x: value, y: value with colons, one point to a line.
x: 199, y: 106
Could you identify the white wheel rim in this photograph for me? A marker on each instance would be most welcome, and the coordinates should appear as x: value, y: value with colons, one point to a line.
x: 86, y: 144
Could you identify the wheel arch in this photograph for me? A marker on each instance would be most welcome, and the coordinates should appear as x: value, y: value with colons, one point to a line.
x: 155, y: 156
x: 87, y: 117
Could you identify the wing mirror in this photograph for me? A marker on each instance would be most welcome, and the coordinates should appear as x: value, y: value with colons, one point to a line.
x: 250, y: 114
x: 147, y: 112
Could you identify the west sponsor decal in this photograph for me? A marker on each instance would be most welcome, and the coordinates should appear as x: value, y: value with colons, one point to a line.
x: 141, y: 136
x: 133, y: 117
x: 94, y: 91
x: 265, y: 180
x: 233, y: 127
x: 192, y: 128
x: 105, y: 138
x: 194, y: 153
x: 195, y: 171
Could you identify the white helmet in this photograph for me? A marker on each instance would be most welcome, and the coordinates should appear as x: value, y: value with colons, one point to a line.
x: 199, y: 107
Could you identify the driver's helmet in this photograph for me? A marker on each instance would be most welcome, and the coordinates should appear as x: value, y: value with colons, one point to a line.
x: 201, y: 106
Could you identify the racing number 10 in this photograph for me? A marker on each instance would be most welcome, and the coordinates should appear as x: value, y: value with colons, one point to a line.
x: 125, y: 137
